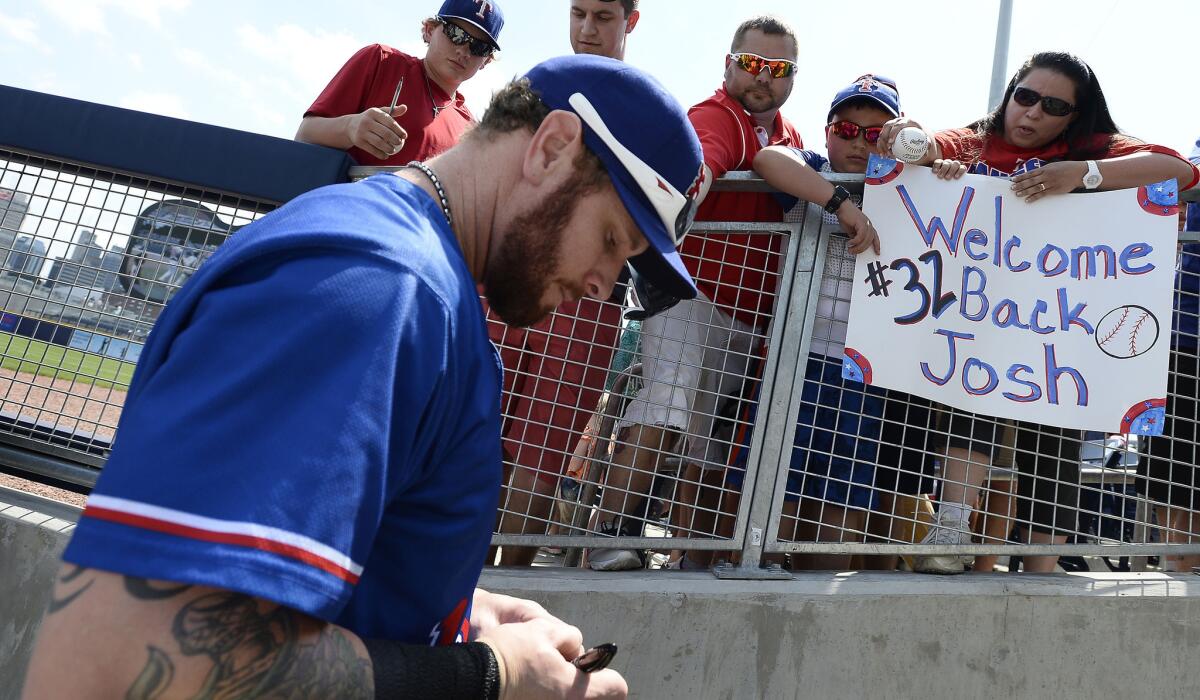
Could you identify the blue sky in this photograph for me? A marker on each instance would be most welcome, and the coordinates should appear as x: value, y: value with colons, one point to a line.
x: 257, y: 65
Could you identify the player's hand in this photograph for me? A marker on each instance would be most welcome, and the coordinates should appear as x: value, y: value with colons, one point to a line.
x: 858, y: 227
x: 535, y: 661
x: 887, y: 137
x: 948, y: 169
x: 376, y: 132
x: 489, y: 610
x: 1051, y: 178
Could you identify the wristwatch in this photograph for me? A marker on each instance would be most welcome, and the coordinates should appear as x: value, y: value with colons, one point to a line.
x: 840, y: 194
x: 1093, y: 178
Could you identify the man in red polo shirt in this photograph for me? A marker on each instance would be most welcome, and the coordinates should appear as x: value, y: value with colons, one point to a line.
x: 698, y: 350
x: 430, y: 114
x: 554, y: 371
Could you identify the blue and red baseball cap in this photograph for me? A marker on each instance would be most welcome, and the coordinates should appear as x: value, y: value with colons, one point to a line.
x: 876, y: 88
x: 644, y: 139
x: 484, y: 14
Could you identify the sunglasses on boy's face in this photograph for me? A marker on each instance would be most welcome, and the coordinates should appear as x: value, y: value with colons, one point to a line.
x: 1053, y: 106
x: 459, y: 36
x: 754, y: 64
x: 850, y: 131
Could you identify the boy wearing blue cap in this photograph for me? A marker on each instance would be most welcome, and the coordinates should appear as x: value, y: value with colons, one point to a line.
x: 855, y: 447
x: 385, y: 107
x: 324, y: 557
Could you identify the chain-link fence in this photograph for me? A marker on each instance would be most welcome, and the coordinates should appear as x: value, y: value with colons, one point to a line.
x: 780, y: 460
x: 89, y: 260
x: 721, y: 425
x: 874, y: 474
x: 646, y: 459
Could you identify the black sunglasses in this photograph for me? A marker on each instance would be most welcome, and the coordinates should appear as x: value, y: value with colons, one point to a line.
x: 459, y: 36
x: 1053, y: 106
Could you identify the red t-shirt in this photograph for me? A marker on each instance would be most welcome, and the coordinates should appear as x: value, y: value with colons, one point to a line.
x: 369, y: 80
x: 992, y: 155
x: 737, y: 271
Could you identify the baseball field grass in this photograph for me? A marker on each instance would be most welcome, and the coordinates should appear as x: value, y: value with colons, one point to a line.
x: 22, y: 354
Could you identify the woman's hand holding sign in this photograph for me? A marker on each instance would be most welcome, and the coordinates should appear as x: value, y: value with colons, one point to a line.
x: 1051, y: 178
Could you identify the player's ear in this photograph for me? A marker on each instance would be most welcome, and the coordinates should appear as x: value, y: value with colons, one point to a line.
x: 632, y: 21
x: 554, y: 146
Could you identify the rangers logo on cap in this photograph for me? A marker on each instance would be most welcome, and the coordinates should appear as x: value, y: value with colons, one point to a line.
x: 867, y: 83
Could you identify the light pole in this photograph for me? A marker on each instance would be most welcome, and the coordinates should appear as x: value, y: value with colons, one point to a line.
x: 1000, y: 57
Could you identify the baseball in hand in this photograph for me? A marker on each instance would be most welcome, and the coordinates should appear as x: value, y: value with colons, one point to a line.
x: 910, y: 144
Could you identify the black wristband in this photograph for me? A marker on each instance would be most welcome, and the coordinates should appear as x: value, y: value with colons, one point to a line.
x: 840, y: 194
x: 454, y: 672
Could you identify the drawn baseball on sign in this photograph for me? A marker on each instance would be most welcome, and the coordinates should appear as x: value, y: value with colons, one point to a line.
x: 1127, y: 331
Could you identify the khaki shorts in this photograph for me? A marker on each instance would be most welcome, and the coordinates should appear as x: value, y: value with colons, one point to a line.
x: 692, y: 355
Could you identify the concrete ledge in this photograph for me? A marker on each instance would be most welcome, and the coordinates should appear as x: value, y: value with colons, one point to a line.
x: 33, y: 533
x: 822, y: 635
x: 884, y: 635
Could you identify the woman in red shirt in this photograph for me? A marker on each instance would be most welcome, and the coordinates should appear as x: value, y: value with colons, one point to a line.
x: 1052, y: 134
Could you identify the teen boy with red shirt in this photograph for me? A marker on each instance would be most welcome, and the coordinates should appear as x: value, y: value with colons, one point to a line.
x: 430, y: 116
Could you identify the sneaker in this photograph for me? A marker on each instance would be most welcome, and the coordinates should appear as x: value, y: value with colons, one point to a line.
x: 616, y: 559
x: 684, y: 563
x: 944, y: 531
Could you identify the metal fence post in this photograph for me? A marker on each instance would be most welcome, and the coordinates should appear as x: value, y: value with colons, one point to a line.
x: 771, y: 443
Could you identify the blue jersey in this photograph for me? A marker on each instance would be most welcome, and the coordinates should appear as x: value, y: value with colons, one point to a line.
x: 315, y: 421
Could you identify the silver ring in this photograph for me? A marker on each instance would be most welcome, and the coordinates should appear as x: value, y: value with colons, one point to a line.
x: 1043, y: 187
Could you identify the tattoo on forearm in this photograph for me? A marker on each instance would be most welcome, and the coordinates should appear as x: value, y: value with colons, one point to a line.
x: 68, y: 579
x: 154, y: 678
x: 145, y: 589
x: 255, y: 653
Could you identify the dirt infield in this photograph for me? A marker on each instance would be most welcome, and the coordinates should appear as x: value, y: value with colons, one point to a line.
x: 66, y: 404
x: 40, y: 489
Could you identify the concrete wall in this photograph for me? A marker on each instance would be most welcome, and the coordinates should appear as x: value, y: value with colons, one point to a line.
x: 859, y: 635
x: 885, y: 635
x: 33, y: 532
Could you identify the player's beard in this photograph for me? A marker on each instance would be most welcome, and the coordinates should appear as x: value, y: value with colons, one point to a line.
x: 524, y: 267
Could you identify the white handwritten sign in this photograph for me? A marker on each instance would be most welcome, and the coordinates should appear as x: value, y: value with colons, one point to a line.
x: 1056, y: 312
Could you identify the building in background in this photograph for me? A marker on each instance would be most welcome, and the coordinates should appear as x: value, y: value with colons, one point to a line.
x: 25, y: 257
x: 87, y: 266
x: 13, y: 206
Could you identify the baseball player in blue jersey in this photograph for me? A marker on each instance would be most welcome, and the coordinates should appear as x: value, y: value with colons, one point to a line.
x: 303, y: 488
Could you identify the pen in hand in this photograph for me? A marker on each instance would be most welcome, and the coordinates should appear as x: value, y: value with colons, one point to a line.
x: 396, y: 96
x: 596, y: 658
